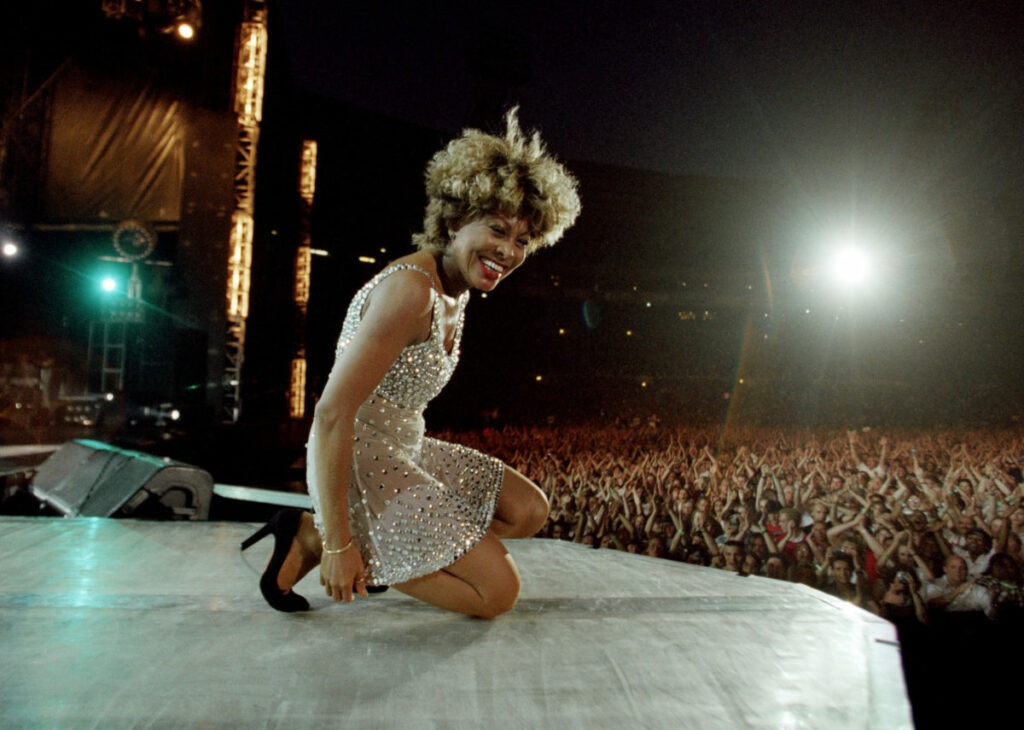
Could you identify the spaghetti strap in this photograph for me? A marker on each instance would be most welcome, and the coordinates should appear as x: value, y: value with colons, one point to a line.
x: 393, y: 268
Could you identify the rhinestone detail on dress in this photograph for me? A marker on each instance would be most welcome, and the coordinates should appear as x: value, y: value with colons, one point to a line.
x: 416, y: 504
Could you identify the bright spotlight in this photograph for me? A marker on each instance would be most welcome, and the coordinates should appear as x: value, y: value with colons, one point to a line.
x: 850, y: 265
x: 186, y: 31
x: 10, y: 249
x: 108, y: 284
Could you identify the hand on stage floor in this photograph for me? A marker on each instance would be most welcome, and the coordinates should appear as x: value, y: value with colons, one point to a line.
x: 341, y: 574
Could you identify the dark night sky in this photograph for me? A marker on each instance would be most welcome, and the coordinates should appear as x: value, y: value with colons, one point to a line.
x: 799, y: 90
x: 899, y: 116
x: 903, y: 117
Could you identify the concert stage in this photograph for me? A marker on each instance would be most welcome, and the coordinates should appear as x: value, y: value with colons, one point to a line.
x: 116, y: 623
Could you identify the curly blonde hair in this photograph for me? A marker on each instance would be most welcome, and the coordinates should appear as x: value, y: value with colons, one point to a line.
x: 478, y: 174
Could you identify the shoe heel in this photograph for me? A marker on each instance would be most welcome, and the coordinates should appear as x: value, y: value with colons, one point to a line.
x: 285, y: 527
x: 258, y: 535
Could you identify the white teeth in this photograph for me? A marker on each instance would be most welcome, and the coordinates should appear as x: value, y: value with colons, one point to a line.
x: 496, y: 268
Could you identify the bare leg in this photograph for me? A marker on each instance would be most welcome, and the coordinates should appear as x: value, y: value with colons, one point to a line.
x: 521, y: 511
x: 482, y: 583
x: 522, y: 508
x: 303, y: 556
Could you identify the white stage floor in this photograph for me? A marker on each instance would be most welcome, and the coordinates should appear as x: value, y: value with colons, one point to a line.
x: 118, y: 623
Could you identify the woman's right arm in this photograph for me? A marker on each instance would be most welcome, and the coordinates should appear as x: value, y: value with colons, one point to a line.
x: 398, y: 314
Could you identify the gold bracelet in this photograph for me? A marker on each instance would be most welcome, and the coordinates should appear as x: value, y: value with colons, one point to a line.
x: 339, y: 551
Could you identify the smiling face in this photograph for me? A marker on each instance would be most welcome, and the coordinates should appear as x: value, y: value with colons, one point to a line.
x: 484, y: 251
x: 976, y: 543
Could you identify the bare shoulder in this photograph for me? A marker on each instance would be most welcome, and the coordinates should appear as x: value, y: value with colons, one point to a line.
x: 403, y: 293
x: 401, y: 305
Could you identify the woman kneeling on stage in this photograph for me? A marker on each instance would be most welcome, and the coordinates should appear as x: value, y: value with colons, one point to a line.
x: 392, y: 506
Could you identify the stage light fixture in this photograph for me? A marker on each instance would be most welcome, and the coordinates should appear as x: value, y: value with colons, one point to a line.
x: 188, y: 18
x: 850, y: 265
x: 183, y: 18
x: 10, y: 249
x: 849, y: 260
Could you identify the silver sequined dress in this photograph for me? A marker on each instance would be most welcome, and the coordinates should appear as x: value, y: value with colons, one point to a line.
x: 416, y: 504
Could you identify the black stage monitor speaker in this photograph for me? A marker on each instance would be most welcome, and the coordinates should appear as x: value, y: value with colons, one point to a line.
x: 93, y: 479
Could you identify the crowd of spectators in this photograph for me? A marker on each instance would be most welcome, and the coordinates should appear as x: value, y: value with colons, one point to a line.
x: 923, y: 528
x: 918, y: 527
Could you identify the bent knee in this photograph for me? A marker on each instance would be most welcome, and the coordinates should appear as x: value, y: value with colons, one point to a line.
x: 500, y: 600
x: 537, y: 514
x: 495, y: 607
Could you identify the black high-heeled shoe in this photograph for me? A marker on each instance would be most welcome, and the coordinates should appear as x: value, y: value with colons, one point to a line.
x: 285, y: 526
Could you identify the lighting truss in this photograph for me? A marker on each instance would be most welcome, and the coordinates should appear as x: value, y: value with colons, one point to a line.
x: 303, y: 270
x: 250, y: 68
